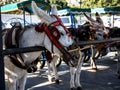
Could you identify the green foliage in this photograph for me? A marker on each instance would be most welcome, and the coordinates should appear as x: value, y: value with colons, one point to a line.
x: 59, y: 3
x: 99, y: 3
x: 84, y: 3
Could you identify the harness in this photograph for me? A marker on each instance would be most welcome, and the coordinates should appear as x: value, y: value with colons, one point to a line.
x: 12, y: 41
x: 53, y: 34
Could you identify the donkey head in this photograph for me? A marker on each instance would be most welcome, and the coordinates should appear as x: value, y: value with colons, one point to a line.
x: 56, y: 32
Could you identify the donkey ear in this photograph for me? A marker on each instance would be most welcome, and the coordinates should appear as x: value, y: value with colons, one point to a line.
x: 98, y: 18
x: 40, y: 13
x: 54, y: 10
x: 89, y: 18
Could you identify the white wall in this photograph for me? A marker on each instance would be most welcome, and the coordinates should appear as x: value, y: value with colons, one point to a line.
x: 5, y: 17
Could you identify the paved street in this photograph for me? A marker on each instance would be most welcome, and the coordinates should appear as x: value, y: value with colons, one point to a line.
x: 104, y: 79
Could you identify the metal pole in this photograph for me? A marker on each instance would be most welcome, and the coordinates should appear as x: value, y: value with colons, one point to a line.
x: 113, y: 19
x: 24, y: 16
x: 80, y: 8
x: 80, y: 3
x: 2, y: 77
x: 30, y: 18
x: 72, y: 20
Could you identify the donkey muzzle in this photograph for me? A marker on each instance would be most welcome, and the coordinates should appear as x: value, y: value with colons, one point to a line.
x: 71, y: 58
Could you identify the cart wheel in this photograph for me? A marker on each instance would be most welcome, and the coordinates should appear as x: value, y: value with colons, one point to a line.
x: 42, y: 64
x: 87, y: 55
x: 97, y: 55
x: 58, y: 62
x: 86, y: 58
x: 103, y: 52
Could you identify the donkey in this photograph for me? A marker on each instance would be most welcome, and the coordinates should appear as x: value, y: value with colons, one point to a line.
x: 51, y: 34
x: 100, y: 33
x: 74, y: 71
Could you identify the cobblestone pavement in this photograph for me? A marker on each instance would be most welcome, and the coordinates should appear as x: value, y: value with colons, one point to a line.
x: 105, y: 78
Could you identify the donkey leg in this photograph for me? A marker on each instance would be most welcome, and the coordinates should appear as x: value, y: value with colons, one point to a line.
x: 55, y: 58
x: 118, y: 64
x: 49, y: 73
x: 12, y: 83
x: 22, y: 82
x: 93, y: 63
x: 78, y: 72
x: 72, y: 81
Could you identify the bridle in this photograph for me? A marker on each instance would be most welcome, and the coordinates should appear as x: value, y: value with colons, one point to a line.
x: 52, y: 32
x: 59, y: 23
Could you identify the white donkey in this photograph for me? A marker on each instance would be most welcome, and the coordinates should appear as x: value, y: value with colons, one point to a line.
x: 50, y: 34
x: 100, y: 33
x: 74, y: 71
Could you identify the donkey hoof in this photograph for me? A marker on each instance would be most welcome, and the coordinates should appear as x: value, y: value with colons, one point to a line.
x: 118, y: 72
x: 118, y: 76
x: 79, y: 88
x: 57, y: 81
x: 94, y: 69
x: 73, y: 88
x: 50, y: 79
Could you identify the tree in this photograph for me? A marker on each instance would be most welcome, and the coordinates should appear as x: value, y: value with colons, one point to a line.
x: 99, y: 3
x: 59, y: 3
x: 83, y: 3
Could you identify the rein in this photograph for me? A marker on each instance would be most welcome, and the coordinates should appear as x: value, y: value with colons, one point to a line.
x: 53, y: 34
x: 52, y: 38
x: 74, y: 50
x: 59, y: 22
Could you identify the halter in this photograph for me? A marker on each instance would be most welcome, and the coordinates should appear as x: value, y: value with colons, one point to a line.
x: 52, y: 31
x: 54, y: 35
x: 59, y: 22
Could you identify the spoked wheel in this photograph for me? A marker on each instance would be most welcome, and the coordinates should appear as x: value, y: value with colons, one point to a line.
x: 103, y: 52
x: 41, y: 64
x: 42, y: 59
x: 58, y: 62
x: 97, y: 54
x: 86, y: 58
x: 87, y: 55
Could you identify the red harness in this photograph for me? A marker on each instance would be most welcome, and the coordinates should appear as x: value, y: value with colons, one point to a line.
x: 52, y: 31
x: 54, y: 36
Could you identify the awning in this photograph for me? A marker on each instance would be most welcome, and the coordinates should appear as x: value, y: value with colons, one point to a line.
x: 73, y: 11
x: 106, y: 9
x: 100, y: 10
x: 25, y: 5
x: 112, y: 9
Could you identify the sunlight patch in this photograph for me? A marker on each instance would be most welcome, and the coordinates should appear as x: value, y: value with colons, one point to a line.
x: 41, y: 84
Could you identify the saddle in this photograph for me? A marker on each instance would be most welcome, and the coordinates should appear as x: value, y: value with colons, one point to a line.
x: 12, y: 41
x: 12, y: 36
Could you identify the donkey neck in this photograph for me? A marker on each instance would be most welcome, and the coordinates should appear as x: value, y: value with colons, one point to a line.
x: 31, y: 38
